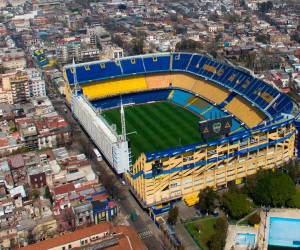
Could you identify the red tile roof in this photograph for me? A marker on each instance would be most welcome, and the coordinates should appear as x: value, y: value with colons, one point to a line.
x: 16, y: 161
x: 3, y: 142
x: 69, y: 237
x: 67, y: 188
x: 100, y: 197
x: 127, y: 238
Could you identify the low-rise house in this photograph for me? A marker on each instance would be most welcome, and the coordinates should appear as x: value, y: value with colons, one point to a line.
x: 18, y: 169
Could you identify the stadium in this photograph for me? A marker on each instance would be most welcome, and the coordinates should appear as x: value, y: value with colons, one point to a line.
x: 175, y: 123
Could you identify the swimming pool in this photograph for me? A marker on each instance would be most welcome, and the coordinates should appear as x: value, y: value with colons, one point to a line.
x: 245, y: 239
x: 284, y: 232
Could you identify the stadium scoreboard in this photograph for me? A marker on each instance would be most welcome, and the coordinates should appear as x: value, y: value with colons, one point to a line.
x: 215, y: 127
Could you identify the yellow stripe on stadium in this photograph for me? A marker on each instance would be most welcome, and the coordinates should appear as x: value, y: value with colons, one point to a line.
x: 114, y: 87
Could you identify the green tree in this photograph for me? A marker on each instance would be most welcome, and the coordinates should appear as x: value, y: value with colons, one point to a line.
x: 265, y: 7
x: 272, y: 188
x: 98, y: 43
x: 292, y: 170
x: 138, y: 46
x: 208, y: 199
x: 254, y: 219
x: 188, y: 45
x: 48, y: 194
x: 236, y: 204
x: 262, y: 38
x: 218, y: 238
x: 117, y: 39
x: 35, y: 193
x: 173, y: 215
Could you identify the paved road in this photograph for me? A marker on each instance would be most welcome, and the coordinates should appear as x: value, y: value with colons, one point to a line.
x: 147, y: 230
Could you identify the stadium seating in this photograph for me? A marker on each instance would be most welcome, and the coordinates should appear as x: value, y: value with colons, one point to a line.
x: 136, y: 98
x: 180, y: 61
x: 227, y: 100
x: 157, y: 63
x: 156, y: 81
x: 242, y: 110
x: 132, y: 66
x: 197, y: 105
x: 185, y: 69
x: 94, y: 72
x: 183, y: 81
x: 114, y: 87
x: 180, y: 97
x: 210, y: 91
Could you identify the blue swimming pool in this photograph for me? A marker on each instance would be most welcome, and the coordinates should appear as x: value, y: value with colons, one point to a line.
x: 245, y: 239
x: 284, y: 232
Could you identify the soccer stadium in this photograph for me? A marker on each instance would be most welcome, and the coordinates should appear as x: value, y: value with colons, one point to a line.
x: 175, y: 123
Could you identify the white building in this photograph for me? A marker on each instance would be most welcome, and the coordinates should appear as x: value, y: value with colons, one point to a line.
x: 37, y: 85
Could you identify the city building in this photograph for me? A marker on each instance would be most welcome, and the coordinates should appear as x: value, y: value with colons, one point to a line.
x: 99, y: 236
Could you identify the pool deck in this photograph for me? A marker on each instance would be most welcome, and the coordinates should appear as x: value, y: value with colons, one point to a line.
x: 233, y: 230
x: 265, y: 220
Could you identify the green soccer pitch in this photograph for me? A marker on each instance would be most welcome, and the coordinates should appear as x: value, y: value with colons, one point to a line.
x: 156, y: 126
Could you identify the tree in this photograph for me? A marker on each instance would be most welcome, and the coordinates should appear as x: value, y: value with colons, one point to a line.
x: 208, y: 199
x: 236, y: 204
x: 98, y: 43
x: 35, y: 193
x: 117, y: 39
x: 188, y: 45
x: 265, y: 7
x: 138, y: 46
x: 254, y: 219
x: 292, y: 170
x: 262, y: 38
x: 48, y: 194
x: 173, y: 215
x: 272, y: 188
x: 110, y: 185
x: 218, y: 238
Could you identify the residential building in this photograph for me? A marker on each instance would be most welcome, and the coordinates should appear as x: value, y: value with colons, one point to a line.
x: 103, y: 235
x: 37, y: 85
x: 16, y: 87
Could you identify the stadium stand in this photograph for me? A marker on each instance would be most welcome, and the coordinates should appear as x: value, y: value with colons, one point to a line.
x: 94, y: 72
x: 243, y: 111
x: 199, y: 106
x: 227, y: 100
x: 157, y: 81
x: 180, y: 97
x: 185, y: 70
x: 210, y: 91
x: 132, y: 65
x: 114, y: 87
x: 180, y: 61
x: 157, y: 63
x: 183, y: 81
x: 133, y: 98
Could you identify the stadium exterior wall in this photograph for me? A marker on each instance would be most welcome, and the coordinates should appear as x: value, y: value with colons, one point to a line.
x: 114, y: 148
x: 210, y: 166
